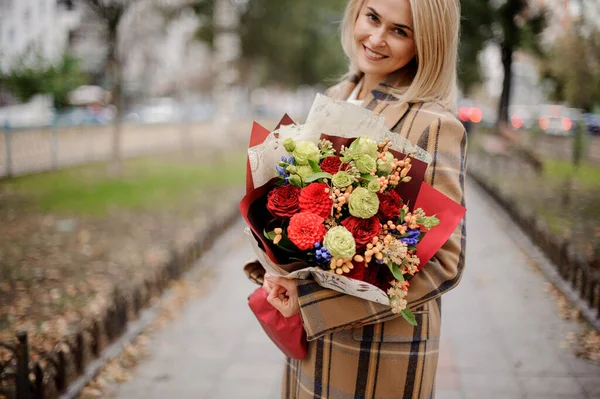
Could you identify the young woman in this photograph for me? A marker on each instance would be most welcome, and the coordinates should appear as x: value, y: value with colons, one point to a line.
x: 403, y: 66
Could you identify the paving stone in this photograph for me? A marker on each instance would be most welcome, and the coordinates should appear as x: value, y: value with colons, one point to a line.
x: 591, y: 385
x: 442, y: 393
x: 553, y: 386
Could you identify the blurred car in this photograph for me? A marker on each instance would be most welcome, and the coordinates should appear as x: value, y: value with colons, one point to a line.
x: 592, y: 123
x: 159, y: 110
x: 471, y: 114
x: 86, y: 115
x: 199, y: 111
x: 522, y: 116
x: 557, y: 120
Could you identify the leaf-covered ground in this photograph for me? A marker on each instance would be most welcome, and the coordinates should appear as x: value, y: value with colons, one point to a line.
x: 67, y: 238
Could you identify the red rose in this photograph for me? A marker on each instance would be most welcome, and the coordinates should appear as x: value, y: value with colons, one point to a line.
x: 315, y: 198
x: 282, y: 201
x: 389, y: 206
x: 306, y: 229
x: 331, y: 164
x: 363, y: 230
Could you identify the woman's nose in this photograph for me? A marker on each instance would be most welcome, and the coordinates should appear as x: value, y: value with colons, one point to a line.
x: 377, y: 38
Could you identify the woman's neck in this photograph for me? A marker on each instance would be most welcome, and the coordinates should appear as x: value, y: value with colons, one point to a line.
x: 370, y: 82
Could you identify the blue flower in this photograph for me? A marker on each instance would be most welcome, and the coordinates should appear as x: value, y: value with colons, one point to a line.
x: 410, y: 241
x: 413, y: 233
x: 318, y: 244
x: 322, y: 255
x: 280, y: 170
x: 283, y: 158
x: 291, y: 161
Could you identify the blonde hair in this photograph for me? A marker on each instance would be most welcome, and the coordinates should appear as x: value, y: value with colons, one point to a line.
x: 431, y: 76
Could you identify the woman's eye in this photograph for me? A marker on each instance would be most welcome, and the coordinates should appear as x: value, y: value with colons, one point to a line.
x: 400, y: 32
x: 372, y: 17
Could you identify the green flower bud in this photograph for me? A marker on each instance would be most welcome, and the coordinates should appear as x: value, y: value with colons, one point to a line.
x: 374, y: 186
x: 341, y: 179
x: 295, y: 180
x: 428, y: 221
x: 305, y: 151
x: 366, y: 146
x: 363, y: 203
x: 304, y: 171
x: 350, y: 155
x: 291, y: 169
x: 340, y: 243
x: 366, y: 164
x: 385, y: 167
x: 289, y: 144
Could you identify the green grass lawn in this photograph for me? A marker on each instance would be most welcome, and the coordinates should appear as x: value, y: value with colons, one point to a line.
x: 146, y: 183
x: 557, y: 171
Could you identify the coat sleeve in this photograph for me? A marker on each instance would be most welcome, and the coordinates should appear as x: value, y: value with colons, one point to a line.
x: 325, y: 311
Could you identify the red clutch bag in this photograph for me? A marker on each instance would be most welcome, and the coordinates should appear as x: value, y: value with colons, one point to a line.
x: 286, y: 332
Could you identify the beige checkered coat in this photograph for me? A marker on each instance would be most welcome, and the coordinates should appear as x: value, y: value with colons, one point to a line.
x: 360, y: 349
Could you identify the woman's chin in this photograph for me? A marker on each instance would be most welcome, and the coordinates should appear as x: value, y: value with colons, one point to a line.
x: 371, y: 69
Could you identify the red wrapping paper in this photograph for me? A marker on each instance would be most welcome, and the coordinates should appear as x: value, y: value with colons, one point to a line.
x: 287, y: 333
x: 447, y: 211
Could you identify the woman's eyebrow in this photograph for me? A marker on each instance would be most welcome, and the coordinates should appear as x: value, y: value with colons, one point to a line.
x: 396, y: 25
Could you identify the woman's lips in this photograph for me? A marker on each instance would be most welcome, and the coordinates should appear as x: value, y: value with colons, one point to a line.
x: 373, y: 55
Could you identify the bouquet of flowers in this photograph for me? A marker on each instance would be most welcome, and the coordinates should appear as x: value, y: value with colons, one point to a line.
x: 349, y: 208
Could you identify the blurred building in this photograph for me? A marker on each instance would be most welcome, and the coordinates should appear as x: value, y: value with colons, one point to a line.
x: 32, y: 27
x: 159, y: 55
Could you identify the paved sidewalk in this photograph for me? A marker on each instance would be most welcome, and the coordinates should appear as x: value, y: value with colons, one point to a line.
x: 501, y: 337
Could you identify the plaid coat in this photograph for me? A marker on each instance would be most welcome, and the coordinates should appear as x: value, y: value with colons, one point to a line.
x: 360, y: 349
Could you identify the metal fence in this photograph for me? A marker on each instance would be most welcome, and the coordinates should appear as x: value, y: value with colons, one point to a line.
x: 28, y: 373
x: 515, y: 183
x: 38, y: 150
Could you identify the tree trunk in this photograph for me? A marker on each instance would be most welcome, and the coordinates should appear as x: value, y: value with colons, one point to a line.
x: 507, y: 59
x: 116, y: 77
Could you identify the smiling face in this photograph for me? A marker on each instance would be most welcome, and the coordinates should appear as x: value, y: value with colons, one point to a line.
x: 384, y: 37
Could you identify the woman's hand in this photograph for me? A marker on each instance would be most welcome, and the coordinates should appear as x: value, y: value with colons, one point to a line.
x: 283, y: 294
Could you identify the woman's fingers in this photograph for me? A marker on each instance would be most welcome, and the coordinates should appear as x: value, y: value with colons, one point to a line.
x: 289, y: 284
x: 267, y: 284
x: 280, y: 299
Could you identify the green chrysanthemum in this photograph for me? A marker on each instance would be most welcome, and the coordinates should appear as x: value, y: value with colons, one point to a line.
x: 342, y: 179
x: 304, y: 171
x: 305, y: 151
x: 366, y: 164
x: 374, y: 186
x: 385, y: 167
x: 340, y: 243
x: 366, y: 146
x: 363, y: 203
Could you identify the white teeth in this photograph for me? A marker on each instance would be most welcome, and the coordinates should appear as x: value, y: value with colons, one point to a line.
x: 372, y: 54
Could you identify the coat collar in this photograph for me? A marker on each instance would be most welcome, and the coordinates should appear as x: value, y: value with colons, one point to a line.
x: 382, y: 100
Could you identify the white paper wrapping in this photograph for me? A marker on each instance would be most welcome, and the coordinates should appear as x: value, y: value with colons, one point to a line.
x: 325, y: 279
x: 334, y: 118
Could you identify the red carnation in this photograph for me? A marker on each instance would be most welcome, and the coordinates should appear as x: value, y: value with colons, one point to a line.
x: 363, y: 230
x: 305, y: 230
x: 331, y: 164
x: 389, y: 206
x: 315, y: 198
x: 282, y: 201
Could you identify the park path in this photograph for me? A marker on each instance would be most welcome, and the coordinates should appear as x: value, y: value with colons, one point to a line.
x: 501, y: 335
